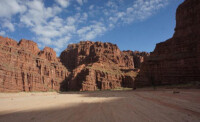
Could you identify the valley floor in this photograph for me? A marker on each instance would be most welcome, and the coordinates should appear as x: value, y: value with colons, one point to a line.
x: 142, y: 105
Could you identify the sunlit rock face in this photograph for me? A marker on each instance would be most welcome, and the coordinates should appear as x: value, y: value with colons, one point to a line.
x: 87, y: 52
x: 23, y: 67
x: 85, y: 66
x: 97, y: 65
x: 176, y: 60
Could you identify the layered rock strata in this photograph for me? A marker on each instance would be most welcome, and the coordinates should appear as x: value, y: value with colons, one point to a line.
x: 97, y: 65
x: 23, y: 67
x: 138, y: 57
x: 176, y: 60
x: 85, y: 66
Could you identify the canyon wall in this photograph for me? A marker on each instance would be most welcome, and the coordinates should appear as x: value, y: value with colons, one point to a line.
x: 138, y: 57
x: 85, y: 66
x: 88, y: 66
x: 23, y: 67
x: 97, y: 65
x: 176, y: 60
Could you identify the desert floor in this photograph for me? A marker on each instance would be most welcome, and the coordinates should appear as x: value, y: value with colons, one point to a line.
x: 142, y: 105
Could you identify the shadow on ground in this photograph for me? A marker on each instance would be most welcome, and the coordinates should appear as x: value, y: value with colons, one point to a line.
x: 113, y: 106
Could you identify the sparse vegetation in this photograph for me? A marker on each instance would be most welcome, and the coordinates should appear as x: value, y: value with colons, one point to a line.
x: 121, y: 89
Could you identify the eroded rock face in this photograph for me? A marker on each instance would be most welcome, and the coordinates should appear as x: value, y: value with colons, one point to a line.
x: 29, y: 46
x: 97, y: 65
x: 92, y: 66
x: 138, y: 57
x: 49, y: 54
x: 177, y: 59
x: 23, y: 67
x: 87, y: 52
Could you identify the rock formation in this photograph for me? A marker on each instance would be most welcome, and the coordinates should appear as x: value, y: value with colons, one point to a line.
x: 138, y: 57
x: 23, y: 67
x: 88, y: 66
x: 97, y: 65
x: 176, y: 60
x: 85, y: 66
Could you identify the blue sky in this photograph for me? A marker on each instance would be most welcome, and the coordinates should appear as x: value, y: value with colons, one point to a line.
x: 131, y: 24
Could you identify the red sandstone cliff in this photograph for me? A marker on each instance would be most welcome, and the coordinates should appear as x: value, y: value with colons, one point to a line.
x: 138, y: 57
x: 23, y: 67
x: 176, y: 60
x: 97, y: 65
x: 85, y: 66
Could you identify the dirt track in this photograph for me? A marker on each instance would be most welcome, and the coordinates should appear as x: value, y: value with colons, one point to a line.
x: 102, y: 106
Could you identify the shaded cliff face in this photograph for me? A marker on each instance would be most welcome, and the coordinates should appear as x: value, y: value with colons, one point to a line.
x: 23, y: 67
x: 138, y: 57
x: 97, y: 65
x: 177, y: 59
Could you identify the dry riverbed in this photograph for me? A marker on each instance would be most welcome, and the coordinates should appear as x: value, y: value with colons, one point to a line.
x: 102, y: 106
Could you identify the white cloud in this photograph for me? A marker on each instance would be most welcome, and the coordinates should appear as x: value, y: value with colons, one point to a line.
x: 91, y: 7
x: 8, y: 8
x: 43, y: 21
x: 90, y: 32
x: 83, y: 30
x: 80, y: 2
x: 63, y: 3
x: 38, y: 14
x: 111, y: 4
x: 53, y: 29
x: 2, y: 33
x: 71, y: 20
x: 44, y: 41
x: 11, y: 7
x: 142, y: 9
x: 139, y: 10
x: 7, y: 24
x: 62, y: 42
x: 129, y: 10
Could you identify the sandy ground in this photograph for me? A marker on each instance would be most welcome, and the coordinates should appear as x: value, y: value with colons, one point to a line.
x: 102, y: 106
